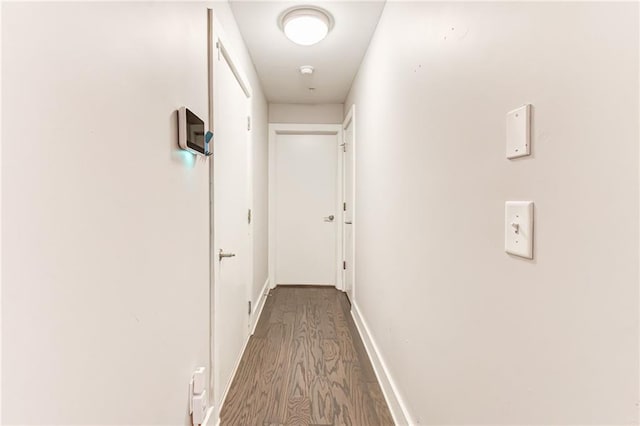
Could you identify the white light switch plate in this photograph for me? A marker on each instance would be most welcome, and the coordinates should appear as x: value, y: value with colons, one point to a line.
x: 518, y: 228
x: 519, y: 132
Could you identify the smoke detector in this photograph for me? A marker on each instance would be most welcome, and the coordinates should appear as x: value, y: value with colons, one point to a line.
x: 306, y: 70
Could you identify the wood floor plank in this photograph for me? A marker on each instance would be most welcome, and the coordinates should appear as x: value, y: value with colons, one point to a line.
x: 298, y: 411
x: 379, y: 404
x: 321, y: 401
x: 241, y: 400
x: 305, y: 365
x: 272, y: 382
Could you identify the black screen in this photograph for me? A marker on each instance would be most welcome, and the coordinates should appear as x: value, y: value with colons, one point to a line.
x: 195, y: 133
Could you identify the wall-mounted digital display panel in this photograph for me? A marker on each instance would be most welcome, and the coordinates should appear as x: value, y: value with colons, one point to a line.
x: 191, y: 132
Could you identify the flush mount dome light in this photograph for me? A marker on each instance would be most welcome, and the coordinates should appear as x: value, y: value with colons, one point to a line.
x: 306, y: 25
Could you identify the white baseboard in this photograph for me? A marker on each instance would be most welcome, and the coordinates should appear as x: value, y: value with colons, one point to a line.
x: 394, y: 401
x: 208, y: 421
x: 259, y: 306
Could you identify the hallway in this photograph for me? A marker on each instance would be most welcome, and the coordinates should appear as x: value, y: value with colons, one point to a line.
x: 242, y: 212
x: 305, y: 365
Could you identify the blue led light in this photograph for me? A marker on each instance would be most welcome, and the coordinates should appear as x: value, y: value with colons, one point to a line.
x: 187, y: 158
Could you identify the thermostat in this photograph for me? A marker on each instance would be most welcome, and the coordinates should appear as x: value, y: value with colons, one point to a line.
x: 191, y: 134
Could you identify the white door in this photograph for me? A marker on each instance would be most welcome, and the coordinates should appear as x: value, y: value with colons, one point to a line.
x: 349, y: 202
x: 306, y: 213
x: 231, y: 228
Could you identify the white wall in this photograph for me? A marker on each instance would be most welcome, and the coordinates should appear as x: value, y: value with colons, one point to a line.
x: 1, y: 222
x: 470, y: 334
x: 105, y: 277
x: 306, y: 113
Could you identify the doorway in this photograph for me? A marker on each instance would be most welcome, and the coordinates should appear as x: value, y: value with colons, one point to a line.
x: 305, y: 204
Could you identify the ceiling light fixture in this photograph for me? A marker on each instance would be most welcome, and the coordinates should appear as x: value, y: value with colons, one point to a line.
x: 306, y: 25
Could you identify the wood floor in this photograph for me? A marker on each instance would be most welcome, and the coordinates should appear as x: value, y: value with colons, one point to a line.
x: 305, y: 365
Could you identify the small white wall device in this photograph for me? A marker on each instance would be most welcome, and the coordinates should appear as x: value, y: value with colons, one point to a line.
x: 518, y: 228
x: 191, y: 134
x: 198, y: 398
x: 519, y: 132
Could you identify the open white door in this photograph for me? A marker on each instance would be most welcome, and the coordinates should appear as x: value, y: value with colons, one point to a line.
x: 349, y: 203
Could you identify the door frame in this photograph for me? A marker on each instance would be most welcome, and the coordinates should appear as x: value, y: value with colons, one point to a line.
x: 276, y: 129
x: 350, y: 119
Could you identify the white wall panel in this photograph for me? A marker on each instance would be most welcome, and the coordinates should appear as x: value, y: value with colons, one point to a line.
x: 470, y: 334
x: 105, y: 231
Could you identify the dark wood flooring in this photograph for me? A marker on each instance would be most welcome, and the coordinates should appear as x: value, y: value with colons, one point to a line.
x: 305, y: 365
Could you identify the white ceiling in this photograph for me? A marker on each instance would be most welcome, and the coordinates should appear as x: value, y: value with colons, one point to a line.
x: 336, y: 58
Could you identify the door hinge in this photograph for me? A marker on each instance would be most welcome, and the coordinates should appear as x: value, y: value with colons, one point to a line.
x: 249, y: 307
x: 249, y: 216
x: 218, y: 48
x: 344, y: 207
x: 344, y: 147
x: 344, y: 264
x: 248, y: 123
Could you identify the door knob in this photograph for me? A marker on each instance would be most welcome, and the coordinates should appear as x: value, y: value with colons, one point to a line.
x: 222, y: 255
x: 329, y: 218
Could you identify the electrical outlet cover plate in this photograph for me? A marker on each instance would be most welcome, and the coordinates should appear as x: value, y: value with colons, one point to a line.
x: 518, y: 228
x: 519, y: 132
x: 200, y: 405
